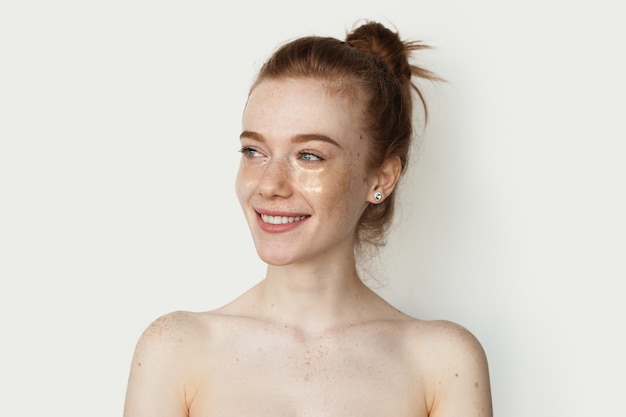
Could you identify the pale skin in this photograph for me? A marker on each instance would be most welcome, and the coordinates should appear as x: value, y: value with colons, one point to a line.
x: 310, y: 339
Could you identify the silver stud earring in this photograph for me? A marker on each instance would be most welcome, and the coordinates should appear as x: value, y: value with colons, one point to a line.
x: 378, y: 196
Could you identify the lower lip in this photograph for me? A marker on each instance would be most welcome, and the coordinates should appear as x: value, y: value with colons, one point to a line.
x: 278, y: 228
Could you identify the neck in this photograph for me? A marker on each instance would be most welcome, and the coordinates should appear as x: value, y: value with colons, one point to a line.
x: 312, y: 297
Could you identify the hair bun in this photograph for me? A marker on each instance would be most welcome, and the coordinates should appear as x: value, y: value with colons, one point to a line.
x: 374, y: 38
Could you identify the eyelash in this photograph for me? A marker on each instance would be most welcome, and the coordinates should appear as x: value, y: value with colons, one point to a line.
x: 246, y: 150
x: 303, y: 153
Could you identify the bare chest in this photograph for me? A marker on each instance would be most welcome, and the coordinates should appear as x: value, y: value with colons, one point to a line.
x: 339, y: 375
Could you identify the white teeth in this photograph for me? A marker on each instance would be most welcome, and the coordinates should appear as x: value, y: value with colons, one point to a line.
x: 280, y: 219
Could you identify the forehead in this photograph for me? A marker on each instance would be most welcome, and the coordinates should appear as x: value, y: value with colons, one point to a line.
x: 299, y: 106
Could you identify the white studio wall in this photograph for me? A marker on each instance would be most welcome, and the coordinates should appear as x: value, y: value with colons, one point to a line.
x: 119, y: 126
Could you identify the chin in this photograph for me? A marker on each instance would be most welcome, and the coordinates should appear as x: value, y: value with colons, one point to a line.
x: 276, y: 254
x: 275, y: 259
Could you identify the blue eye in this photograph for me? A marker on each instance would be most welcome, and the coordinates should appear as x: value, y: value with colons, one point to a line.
x: 309, y: 157
x: 249, y: 152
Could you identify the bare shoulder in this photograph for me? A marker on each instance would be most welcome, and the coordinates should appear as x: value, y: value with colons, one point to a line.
x: 452, y: 365
x: 164, y: 364
x: 172, y: 331
x: 175, y: 322
x: 443, y: 338
x: 191, y: 333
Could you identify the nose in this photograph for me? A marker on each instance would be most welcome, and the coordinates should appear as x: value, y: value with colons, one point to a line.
x: 275, y: 179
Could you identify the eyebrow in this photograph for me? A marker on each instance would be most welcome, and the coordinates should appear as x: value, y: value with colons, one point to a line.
x: 298, y: 138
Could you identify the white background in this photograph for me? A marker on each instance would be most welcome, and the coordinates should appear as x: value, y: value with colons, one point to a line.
x: 119, y: 125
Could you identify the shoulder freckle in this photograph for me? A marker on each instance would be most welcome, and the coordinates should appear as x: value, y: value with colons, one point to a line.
x: 158, y: 326
x: 168, y: 326
x: 456, y: 331
x: 449, y: 339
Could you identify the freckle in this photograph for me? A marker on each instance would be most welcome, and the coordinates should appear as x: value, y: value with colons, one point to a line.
x: 456, y: 375
x: 475, y: 384
x: 139, y: 364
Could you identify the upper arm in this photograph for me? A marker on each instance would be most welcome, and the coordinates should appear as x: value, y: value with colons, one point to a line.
x: 460, y: 376
x: 157, y: 382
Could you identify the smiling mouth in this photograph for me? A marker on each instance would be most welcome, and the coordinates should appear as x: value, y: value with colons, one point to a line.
x: 281, y: 219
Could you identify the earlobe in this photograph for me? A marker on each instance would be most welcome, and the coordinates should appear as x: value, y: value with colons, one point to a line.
x: 386, y: 179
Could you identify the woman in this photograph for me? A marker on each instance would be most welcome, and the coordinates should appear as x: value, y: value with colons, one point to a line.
x: 326, y: 135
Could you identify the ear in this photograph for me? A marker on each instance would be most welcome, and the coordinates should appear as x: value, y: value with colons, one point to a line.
x: 385, y: 178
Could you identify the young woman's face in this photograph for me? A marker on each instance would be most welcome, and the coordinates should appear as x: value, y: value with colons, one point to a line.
x: 302, y: 181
